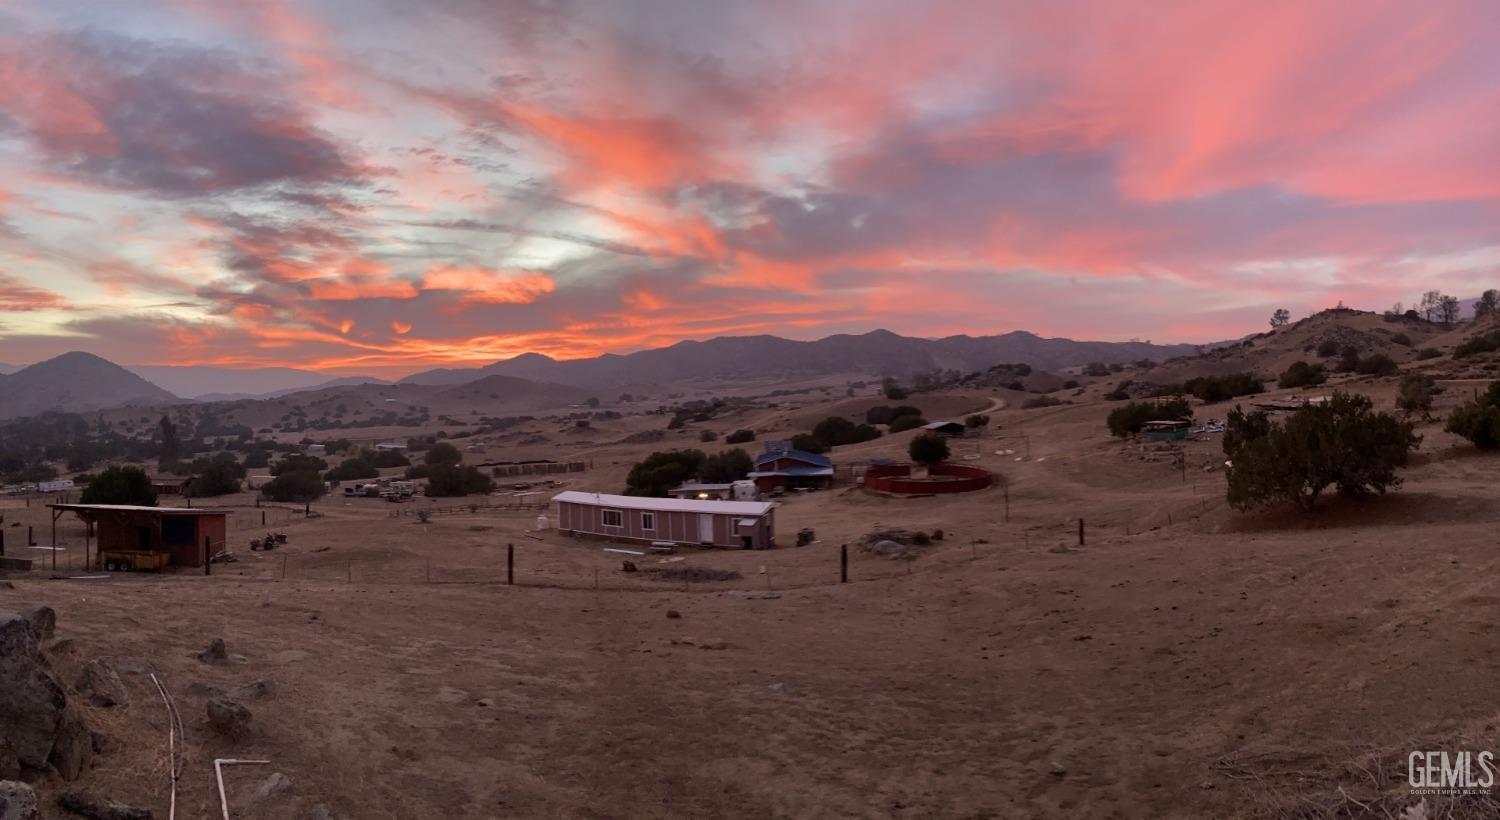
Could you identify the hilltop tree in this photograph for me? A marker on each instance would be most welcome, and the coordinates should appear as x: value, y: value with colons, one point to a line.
x: 1343, y: 444
x: 443, y: 453
x: 452, y: 480
x: 120, y: 485
x: 1488, y: 304
x: 928, y: 449
x: 730, y: 465
x: 1447, y: 309
x: 1280, y: 318
x: 1429, y: 303
x: 977, y: 421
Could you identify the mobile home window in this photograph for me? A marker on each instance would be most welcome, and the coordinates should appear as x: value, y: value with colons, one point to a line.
x: 648, y: 521
x: 612, y: 518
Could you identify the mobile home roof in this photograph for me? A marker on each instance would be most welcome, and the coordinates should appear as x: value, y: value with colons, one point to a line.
x: 631, y: 502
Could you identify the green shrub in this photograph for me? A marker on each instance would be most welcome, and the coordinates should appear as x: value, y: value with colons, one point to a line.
x: 661, y: 471
x: 452, y: 480
x: 740, y: 437
x: 417, y: 471
x: 120, y: 485
x: 722, y: 468
x: 443, y: 453
x: 928, y: 448
x: 1302, y: 374
x: 901, y: 424
x: 1415, y: 393
x: 809, y: 443
x: 1402, y: 339
x: 389, y: 458
x: 1212, y: 389
x: 352, y: 469
x: 1342, y: 444
x: 296, y: 463
x: 295, y: 486
x: 707, y: 436
x: 219, y: 477
x: 1483, y: 343
x: 1041, y: 401
x: 837, y: 430
x: 1478, y: 419
x: 1328, y: 348
x: 1376, y: 364
x: 1129, y: 419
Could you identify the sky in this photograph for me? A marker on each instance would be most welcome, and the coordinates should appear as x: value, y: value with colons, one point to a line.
x: 376, y: 186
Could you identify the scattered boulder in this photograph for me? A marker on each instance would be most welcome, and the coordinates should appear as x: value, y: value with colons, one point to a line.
x: 674, y: 614
x: 99, y: 682
x: 888, y: 548
x: 205, y: 690
x: 628, y: 566
x: 17, y: 801
x: 7, y: 585
x: 274, y: 786
x: 254, y: 690
x: 100, y: 808
x: 215, y: 653
x: 31, y: 698
x: 228, y: 718
x: 319, y: 812
x: 73, y: 746
x: 43, y: 621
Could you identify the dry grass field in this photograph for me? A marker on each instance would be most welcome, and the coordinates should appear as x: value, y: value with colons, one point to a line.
x: 1185, y: 661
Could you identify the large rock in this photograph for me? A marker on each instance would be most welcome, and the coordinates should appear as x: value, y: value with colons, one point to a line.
x: 100, y: 808
x: 17, y: 801
x: 43, y: 621
x: 32, y: 701
x: 215, y: 653
x: 274, y: 786
x: 99, y: 682
x: 228, y: 718
x: 73, y: 746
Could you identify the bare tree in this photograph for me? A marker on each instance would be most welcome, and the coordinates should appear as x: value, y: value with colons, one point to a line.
x: 1447, y: 309
x: 1429, y: 304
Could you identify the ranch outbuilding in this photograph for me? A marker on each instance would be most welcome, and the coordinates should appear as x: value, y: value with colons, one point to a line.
x: 736, y: 524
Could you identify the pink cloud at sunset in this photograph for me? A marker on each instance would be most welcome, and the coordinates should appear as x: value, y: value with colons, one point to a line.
x: 378, y: 187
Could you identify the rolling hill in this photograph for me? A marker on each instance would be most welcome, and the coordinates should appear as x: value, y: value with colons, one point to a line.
x: 878, y: 353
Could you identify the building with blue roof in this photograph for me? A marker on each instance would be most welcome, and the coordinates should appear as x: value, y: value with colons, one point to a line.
x: 783, y: 467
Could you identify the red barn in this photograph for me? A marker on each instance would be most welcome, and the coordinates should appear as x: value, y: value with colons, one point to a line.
x: 782, y: 466
x: 151, y: 536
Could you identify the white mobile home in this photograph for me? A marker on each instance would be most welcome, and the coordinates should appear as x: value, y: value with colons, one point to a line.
x: 741, y: 524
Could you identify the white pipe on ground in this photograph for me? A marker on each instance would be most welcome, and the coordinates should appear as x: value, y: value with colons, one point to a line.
x: 219, y: 764
x: 171, y: 746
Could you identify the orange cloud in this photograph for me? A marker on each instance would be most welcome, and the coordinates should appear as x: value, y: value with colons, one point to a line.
x: 486, y: 285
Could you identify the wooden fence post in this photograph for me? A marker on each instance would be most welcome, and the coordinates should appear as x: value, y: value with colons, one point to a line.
x: 1080, y: 532
x: 510, y: 564
x: 843, y: 563
x: 208, y: 556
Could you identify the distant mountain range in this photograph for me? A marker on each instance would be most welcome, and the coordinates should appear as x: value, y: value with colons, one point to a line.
x: 879, y: 352
x: 76, y: 382
x: 206, y: 383
x: 83, y: 381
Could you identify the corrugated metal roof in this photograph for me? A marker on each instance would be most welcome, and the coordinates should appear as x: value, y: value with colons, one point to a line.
x: 632, y: 502
x: 793, y: 471
x: 800, y: 455
x: 137, y: 508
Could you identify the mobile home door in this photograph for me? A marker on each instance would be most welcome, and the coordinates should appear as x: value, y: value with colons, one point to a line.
x: 705, y: 528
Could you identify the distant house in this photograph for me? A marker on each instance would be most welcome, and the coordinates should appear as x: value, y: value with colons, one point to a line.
x: 950, y: 429
x: 736, y: 491
x: 315, y: 449
x: 169, y: 486
x: 741, y: 524
x: 391, y: 445
x: 783, y: 467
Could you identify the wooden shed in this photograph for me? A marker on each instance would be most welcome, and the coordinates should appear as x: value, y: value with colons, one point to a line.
x: 150, y: 537
x: 740, y: 524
